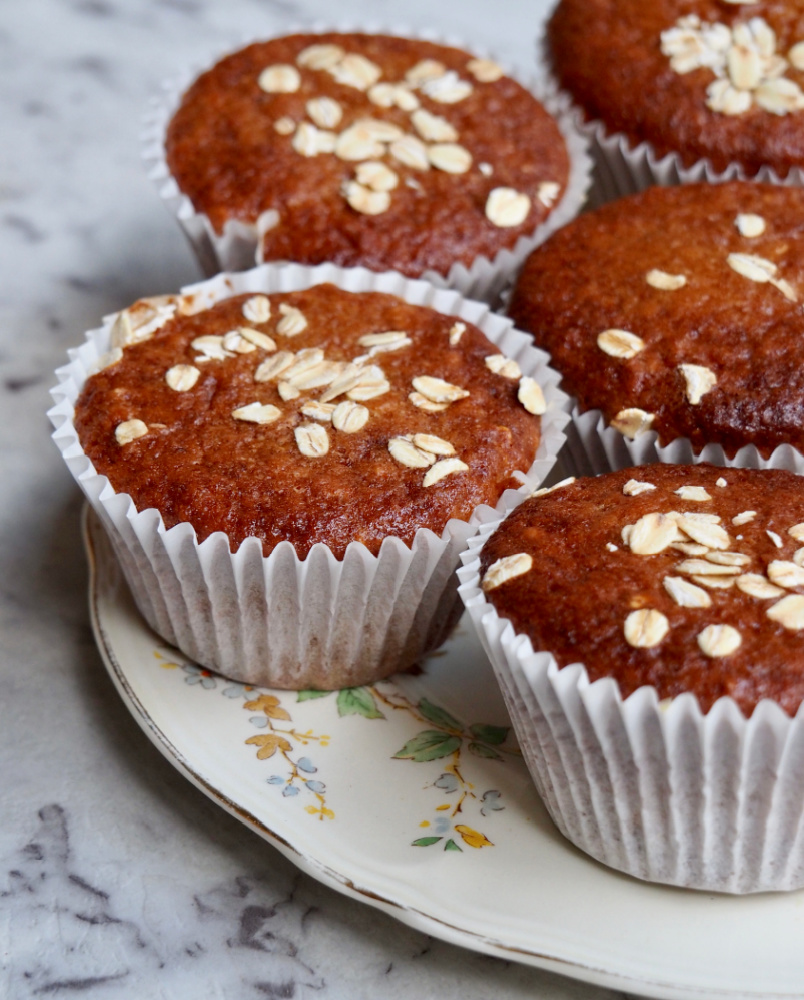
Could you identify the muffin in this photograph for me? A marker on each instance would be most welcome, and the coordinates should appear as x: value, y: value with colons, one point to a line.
x: 675, y: 314
x: 371, y: 150
x: 289, y: 466
x: 685, y: 89
x: 646, y: 627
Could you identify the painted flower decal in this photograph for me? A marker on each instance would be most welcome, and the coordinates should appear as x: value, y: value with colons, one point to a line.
x: 269, y: 704
x: 197, y: 675
x: 442, y: 738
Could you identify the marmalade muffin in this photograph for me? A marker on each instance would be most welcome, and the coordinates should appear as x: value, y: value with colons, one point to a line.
x: 713, y: 80
x: 646, y: 628
x: 289, y: 461
x: 391, y: 153
x: 678, y: 310
x: 319, y: 415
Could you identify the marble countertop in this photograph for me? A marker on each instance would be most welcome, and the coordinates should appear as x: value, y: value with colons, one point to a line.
x: 120, y: 879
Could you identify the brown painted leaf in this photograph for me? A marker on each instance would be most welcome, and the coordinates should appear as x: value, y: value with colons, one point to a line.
x: 270, y: 705
x: 269, y: 743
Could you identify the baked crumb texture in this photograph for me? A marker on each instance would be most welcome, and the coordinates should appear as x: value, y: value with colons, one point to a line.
x: 360, y: 149
x: 689, y: 579
x: 311, y: 416
x: 678, y: 310
x: 717, y: 79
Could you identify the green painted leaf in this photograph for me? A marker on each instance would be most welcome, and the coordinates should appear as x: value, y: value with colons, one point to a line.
x: 358, y: 701
x: 481, y: 750
x: 490, y: 734
x: 426, y: 841
x: 438, y: 716
x: 452, y: 846
x: 311, y: 695
x: 429, y: 745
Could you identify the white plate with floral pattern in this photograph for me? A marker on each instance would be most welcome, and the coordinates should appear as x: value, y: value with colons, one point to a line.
x: 411, y: 795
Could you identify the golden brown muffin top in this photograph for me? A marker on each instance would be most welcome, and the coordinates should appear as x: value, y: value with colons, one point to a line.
x: 310, y: 416
x: 367, y: 149
x: 690, y: 579
x: 679, y: 310
x: 703, y: 78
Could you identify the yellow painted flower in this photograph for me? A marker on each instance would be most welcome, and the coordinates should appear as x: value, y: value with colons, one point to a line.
x: 472, y: 838
x: 269, y: 743
x: 270, y: 705
x: 323, y: 812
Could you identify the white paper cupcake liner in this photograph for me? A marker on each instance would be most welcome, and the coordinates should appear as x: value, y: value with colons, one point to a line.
x: 237, y: 247
x: 659, y: 791
x: 594, y: 447
x: 622, y: 168
x: 281, y: 621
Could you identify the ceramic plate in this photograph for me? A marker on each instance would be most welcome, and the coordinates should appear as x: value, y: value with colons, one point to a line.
x: 411, y: 795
